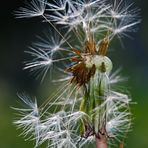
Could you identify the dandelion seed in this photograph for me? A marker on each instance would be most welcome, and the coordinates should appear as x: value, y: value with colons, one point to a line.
x: 52, y: 45
x: 29, y: 118
x: 41, y: 62
x: 124, y: 18
x: 33, y: 9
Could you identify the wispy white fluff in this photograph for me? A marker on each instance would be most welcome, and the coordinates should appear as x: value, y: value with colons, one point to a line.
x: 40, y: 63
x: 83, y: 18
x: 73, y: 115
x: 33, y: 9
x: 29, y: 118
x: 43, y: 59
x: 51, y: 42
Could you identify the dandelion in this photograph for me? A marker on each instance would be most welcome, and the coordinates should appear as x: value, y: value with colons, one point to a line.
x: 87, y: 108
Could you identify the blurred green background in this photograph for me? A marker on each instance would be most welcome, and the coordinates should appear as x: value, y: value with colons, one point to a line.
x: 16, y: 35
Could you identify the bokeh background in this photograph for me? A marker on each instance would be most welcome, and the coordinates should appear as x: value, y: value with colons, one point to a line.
x: 16, y: 35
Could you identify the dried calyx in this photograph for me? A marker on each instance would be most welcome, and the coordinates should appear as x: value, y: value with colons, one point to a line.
x: 92, y: 60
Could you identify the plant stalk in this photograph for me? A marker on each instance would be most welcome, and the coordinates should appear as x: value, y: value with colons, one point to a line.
x: 101, y: 142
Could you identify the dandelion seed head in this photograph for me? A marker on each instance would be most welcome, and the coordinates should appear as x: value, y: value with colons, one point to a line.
x: 86, y: 106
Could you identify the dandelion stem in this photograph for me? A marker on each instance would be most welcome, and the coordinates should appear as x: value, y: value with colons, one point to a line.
x: 101, y: 142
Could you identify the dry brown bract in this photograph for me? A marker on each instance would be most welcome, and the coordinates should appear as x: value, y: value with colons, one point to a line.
x: 81, y: 73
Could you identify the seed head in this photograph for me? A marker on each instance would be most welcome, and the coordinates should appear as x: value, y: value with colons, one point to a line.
x: 87, y: 106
